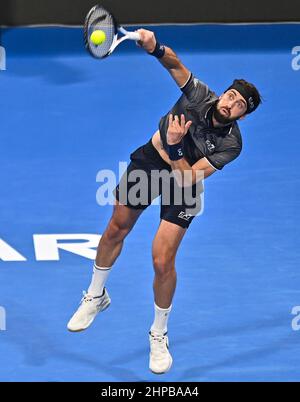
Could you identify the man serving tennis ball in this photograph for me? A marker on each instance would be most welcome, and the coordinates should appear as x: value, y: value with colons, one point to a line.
x: 200, y: 133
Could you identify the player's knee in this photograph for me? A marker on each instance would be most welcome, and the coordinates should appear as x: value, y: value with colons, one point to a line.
x: 163, y: 265
x: 116, y: 232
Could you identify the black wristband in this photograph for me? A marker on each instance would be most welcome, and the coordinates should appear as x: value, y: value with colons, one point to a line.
x: 176, y: 151
x: 159, y: 51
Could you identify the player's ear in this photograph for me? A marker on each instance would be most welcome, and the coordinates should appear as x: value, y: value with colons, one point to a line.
x: 243, y: 117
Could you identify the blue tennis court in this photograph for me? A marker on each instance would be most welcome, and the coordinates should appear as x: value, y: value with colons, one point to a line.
x: 65, y: 117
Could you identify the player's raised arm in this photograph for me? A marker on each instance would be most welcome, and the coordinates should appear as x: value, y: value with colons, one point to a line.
x: 166, y: 56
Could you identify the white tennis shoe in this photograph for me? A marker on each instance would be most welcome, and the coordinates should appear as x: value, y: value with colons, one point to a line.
x: 89, y: 307
x: 160, y: 357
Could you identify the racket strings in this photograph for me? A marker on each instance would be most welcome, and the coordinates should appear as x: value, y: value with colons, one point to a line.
x: 100, y: 19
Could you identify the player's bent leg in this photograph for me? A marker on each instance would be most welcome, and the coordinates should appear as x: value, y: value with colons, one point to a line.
x: 122, y: 221
x: 164, y: 249
x: 110, y: 245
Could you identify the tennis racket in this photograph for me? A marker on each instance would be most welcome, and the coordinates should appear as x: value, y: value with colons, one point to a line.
x: 100, y: 19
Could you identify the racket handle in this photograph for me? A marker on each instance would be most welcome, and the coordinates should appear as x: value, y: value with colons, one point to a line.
x: 134, y: 36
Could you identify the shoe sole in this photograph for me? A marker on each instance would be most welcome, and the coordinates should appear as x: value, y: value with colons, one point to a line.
x: 91, y: 321
x: 162, y: 372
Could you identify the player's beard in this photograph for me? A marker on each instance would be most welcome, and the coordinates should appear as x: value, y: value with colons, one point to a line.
x: 221, y: 118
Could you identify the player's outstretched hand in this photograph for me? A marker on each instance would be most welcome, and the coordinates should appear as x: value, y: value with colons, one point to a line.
x: 177, y: 129
x: 148, y: 40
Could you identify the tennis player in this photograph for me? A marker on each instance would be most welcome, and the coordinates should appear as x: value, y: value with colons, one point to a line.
x: 200, y: 133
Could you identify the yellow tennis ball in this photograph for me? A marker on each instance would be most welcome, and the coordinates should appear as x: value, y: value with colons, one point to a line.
x: 98, y: 37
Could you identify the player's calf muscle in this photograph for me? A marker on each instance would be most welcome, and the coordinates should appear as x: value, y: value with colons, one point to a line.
x: 108, y: 250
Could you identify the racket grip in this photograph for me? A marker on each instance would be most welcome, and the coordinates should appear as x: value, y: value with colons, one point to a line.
x: 134, y: 36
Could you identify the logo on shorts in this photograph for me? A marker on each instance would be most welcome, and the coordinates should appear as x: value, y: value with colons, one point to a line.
x: 184, y: 216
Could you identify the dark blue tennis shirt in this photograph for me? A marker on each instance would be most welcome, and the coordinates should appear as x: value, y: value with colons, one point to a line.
x: 218, y: 145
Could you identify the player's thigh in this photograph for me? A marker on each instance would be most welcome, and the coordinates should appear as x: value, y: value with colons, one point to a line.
x: 167, y: 240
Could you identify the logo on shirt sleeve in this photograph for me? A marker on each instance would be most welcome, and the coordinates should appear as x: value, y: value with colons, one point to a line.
x: 196, y: 82
x: 211, y: 147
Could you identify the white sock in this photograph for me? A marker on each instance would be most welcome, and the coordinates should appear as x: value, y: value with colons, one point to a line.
x: 160, y: 324
x: 100, y: 275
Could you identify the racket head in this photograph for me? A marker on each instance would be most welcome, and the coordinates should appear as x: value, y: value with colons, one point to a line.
x: 99, y: 18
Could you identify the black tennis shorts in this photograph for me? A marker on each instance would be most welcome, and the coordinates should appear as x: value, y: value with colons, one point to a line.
x: 149, y: 176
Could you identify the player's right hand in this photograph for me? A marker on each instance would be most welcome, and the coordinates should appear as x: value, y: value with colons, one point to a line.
x: 148, y: 40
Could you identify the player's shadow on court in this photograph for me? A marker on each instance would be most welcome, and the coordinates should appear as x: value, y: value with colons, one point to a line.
x: 197, y: 372
x: 29, y: 335
x: 256, y: 326
x: 53, y: 71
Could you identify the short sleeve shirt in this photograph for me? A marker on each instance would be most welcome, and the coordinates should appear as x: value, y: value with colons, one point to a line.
x: 219, y: 145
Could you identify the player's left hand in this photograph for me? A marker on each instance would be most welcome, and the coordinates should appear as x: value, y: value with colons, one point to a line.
x: 177, y: 129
